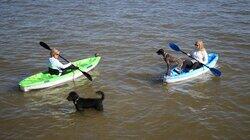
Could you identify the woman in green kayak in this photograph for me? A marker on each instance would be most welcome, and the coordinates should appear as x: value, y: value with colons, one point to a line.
x: 200, y: 54
x: 55, y: 66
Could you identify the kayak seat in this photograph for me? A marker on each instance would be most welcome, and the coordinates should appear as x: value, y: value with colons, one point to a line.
x: 53, y: 71
x: 65, y: 71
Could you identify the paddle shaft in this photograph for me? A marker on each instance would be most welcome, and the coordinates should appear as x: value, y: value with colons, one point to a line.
x: 85, y: 73
x: 215, y: 71
x: 194, y: 59
x: 64, y: 59
x: 44, y: 45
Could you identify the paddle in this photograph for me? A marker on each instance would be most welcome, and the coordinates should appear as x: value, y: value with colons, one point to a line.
x: 215, y: 71
x: 44, y: 45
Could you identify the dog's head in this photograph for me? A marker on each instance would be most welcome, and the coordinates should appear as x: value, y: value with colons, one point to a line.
x: 160, y: 52
x: 72, y: 96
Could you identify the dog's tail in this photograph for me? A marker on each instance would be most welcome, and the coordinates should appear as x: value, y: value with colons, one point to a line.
x: 101, y: 93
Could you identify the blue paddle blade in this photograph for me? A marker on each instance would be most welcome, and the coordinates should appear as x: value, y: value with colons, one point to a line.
x: 174, y: 47
x: 216, y: 72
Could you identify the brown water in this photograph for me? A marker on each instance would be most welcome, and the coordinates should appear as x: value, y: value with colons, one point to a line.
x: 126, y: 34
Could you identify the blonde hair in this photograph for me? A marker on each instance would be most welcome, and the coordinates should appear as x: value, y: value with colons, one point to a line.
x: 200, y: 45
x: 54, y: 51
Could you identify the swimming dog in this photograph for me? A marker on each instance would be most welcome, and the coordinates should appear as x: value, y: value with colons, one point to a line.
x: 81, y: 103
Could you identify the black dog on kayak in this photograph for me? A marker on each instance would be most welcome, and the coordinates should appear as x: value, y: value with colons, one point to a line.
x: 81, y: 103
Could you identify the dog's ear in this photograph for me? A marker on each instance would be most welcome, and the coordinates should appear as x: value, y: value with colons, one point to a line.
x: 160, y: 52
x: 72, y: 93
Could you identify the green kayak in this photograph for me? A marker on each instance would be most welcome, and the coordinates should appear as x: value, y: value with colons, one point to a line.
x: 44, y: 79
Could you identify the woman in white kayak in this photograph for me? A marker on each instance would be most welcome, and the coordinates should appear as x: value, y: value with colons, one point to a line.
x: 55, y: 66
x: 200, y: 54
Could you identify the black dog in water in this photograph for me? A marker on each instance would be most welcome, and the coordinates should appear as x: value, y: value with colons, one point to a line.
x: 81, y: 103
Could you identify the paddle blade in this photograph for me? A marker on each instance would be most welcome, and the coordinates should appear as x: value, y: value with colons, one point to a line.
x: 44, y: 45
x: 174, y: 47
x: 216, y: 72
x: 87, y: 75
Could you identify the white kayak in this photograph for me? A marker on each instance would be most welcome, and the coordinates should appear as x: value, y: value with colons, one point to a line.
x: 176, y: 77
